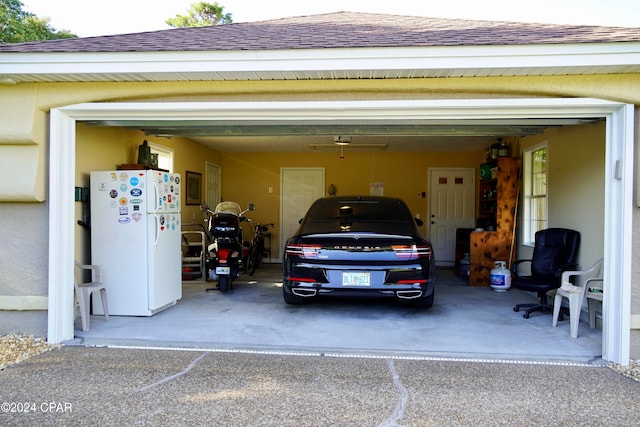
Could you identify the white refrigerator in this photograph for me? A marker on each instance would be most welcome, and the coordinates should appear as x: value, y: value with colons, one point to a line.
x: 135, y: 239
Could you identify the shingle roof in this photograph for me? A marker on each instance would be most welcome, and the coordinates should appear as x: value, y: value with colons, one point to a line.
x: 336, y: 30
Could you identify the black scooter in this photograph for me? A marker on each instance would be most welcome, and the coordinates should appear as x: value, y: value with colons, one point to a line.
x: 225, y: 248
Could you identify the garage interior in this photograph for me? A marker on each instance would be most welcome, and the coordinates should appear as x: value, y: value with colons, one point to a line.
x: 465, y: 321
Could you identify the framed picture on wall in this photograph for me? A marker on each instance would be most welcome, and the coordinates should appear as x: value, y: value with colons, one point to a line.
x: 194, y: 188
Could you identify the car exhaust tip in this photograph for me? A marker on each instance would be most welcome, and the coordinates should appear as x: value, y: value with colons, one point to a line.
x: 409, y: 294
x: 304, y: 292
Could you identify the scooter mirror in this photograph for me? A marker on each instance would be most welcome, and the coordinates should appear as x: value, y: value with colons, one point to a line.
x: 252, y: 207
x: 204, y: 207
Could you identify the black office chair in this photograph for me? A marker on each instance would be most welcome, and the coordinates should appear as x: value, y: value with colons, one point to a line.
x: 555, y: 251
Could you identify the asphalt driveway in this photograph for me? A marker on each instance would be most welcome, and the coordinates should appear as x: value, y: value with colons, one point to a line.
x: 80, y: 386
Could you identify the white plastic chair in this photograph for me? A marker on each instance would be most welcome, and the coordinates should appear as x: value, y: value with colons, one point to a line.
x: 85, y: 289
x: 594, y: 299
x: 575, y: 294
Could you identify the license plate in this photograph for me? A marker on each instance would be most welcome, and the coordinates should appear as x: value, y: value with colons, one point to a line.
x: 223, y: 270
x: 356, y: 278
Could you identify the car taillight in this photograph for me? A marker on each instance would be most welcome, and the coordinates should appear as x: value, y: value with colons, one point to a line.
x: 301, y: 279
x: 410, y: 282
x: 411, y: 251
x: 303, y: 250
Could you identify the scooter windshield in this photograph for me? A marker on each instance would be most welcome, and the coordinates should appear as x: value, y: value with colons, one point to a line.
x: 228, y: 207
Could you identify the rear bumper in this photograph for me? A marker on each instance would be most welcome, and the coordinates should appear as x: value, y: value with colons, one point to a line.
x: 403, y: 292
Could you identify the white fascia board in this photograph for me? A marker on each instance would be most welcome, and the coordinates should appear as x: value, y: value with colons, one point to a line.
x: 401, y: 58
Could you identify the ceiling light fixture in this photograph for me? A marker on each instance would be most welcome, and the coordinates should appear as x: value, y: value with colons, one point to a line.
x: 354, y: 146
x: 342, y: 140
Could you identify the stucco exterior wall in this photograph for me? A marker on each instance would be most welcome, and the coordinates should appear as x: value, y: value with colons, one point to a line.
x: 23, y: 256
x: 24, y: 212
x: 23, y: 134
x: 614, y: 87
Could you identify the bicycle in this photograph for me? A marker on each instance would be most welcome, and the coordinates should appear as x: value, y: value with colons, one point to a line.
x: 256, y: 247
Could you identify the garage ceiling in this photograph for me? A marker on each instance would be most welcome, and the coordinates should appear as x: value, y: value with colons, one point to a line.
x: 283, y: 136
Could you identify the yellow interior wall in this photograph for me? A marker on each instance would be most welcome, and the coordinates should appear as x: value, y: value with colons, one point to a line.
x: 104, y: 148
x: 576, y: 184
x: 246, y: 177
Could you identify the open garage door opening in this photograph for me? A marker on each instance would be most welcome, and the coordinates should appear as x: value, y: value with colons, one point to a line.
x: 618, y: 170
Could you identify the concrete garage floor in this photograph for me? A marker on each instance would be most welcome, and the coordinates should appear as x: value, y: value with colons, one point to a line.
x: 464, y: 323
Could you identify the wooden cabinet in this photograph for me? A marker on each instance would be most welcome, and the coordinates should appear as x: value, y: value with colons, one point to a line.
x: 496, y: 208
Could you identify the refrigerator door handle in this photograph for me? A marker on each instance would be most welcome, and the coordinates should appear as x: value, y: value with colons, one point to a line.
x: 156, y: 198
x: 156, y: 230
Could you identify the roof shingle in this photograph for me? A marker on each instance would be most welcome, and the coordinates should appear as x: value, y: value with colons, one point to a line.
x: 336, y: 30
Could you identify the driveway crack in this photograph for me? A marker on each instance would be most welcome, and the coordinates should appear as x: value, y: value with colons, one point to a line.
x: 398, y: 412
x: 174, y: 376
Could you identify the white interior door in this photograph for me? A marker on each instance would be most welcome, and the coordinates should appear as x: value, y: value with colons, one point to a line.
x: 299, y: 188
x: 212, y: 185
x: 452, y: 205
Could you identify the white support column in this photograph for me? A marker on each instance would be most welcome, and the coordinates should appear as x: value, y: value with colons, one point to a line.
x: 61, y: 230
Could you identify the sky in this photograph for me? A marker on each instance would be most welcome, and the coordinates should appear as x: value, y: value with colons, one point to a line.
x: 99, y: 17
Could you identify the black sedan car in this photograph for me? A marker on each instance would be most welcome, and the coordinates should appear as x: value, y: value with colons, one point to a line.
x: 359, y: 246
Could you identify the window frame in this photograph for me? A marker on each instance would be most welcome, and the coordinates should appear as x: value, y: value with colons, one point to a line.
x: 163, y: 152
x: 528, y: 233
